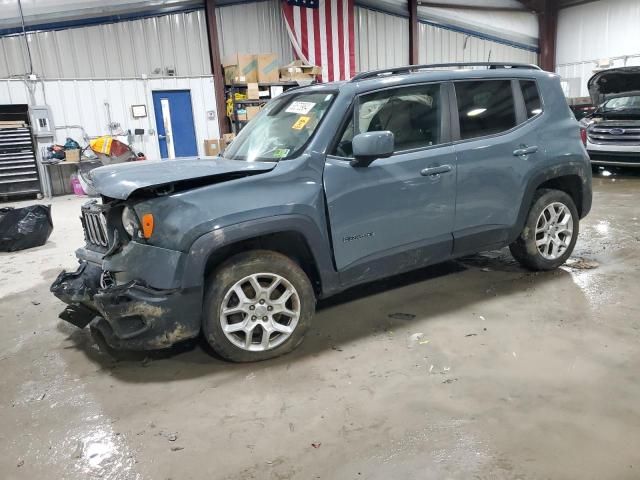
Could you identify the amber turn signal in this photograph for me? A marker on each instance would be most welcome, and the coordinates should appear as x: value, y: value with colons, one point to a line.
x: 147, y: 225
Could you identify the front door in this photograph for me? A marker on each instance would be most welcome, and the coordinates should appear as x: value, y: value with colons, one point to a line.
x: 174, y: 122
x: 397, y: 213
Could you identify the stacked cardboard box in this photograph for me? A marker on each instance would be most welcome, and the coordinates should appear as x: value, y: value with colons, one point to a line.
x: 299, y: 71
x: 252, y: 111
x: 248, y: 68
x: 240, y: 68
x: 268, y: 68
x: 213, y: 147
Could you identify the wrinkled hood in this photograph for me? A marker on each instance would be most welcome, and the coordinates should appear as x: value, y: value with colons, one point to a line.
x: 121, y: 180
x: 613, y: 82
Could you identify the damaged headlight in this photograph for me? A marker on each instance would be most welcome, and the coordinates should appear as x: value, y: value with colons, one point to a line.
x: 134, y: 226
x: 130, y: 221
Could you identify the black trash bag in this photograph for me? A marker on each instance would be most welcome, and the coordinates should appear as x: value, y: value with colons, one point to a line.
x: 22, y: 228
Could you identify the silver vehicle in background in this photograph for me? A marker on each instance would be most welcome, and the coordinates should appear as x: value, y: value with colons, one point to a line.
x: 611, y: 133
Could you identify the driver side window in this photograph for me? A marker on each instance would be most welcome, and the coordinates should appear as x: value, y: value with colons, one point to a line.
x: 412, y: 114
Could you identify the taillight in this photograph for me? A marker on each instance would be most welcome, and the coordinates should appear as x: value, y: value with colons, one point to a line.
x: 583, y: 135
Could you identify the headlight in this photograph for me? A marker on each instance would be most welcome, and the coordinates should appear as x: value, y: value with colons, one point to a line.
x: 130, y: 221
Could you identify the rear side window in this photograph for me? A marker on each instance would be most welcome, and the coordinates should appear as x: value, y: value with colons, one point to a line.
x: 412, y: 114
x: 531, y: 98
x: 485, y: 107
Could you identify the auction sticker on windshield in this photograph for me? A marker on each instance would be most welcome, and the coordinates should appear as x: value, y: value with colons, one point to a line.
x: 300, y: 123
x: 280, y: 152
x: 301, y: 108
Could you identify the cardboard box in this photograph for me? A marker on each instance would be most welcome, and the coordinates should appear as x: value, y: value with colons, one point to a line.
x: 227, y: 138
x: 298, y: 70
x: 229, y: 74
x: 268, y: 68
x: 252, y: 111
x: 212, y: 147
x: 72, y: 156
x: 253, y: 92
x: 240, y: 68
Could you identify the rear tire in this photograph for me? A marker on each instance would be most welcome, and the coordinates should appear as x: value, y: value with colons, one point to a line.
x: 258, y: 305
x: 550, y: 231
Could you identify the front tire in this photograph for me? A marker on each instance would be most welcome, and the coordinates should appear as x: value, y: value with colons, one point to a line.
x: 550, y: 232
x: 258, y: 305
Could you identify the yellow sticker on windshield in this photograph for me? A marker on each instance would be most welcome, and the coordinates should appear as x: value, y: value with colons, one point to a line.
x: 300, y: 123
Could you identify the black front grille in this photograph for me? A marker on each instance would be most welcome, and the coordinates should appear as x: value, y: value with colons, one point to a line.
x: 618, y: 134
x: 95, y: 227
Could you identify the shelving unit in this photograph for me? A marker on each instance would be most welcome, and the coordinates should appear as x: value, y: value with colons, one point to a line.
x: 236, y: 123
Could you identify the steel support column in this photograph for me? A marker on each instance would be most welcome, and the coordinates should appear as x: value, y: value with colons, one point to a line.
x: 548, y: 22
x: 413, y: 32
x: 216, y: 65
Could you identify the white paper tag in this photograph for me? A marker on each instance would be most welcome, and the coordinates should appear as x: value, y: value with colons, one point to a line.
x: 300, y: 108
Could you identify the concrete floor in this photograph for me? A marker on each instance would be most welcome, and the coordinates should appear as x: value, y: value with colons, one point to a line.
x: 502, y: 374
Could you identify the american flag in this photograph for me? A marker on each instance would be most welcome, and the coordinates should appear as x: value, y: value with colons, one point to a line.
x: 321, y: 32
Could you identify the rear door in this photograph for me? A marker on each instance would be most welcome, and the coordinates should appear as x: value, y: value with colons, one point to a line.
x: 396, y: 209
x: 498, y: 144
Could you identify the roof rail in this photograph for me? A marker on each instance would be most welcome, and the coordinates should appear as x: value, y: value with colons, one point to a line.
x: 414, y: 68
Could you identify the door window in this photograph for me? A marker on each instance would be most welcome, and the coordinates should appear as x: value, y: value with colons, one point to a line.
x: 531, y: 98
x: 485, y: 107
x: 412, y: 114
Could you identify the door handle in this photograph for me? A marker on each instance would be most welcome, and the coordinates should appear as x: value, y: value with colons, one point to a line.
x: 427, y: 172
x: 524, y: 150
x: 161, y: 137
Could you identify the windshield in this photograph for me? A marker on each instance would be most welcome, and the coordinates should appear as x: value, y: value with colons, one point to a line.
x: 622, y: 103
x: 281, y: 129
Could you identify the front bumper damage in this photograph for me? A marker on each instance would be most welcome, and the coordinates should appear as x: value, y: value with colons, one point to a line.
x: 131, y: 316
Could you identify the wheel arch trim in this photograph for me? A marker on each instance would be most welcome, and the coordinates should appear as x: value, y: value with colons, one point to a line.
x: 207, y: 244
x: 577, y: 169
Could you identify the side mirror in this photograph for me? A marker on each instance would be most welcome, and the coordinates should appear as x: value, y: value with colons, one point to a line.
x: 369, y: 146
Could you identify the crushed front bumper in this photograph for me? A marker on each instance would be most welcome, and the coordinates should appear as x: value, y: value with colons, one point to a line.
x: 133, y: 316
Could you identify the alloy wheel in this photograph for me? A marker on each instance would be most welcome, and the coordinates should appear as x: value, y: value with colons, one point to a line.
x: 260, y: 312
x: 554, y: 230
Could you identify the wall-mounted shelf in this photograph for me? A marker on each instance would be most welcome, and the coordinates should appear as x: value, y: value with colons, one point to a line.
x: 237, y: 124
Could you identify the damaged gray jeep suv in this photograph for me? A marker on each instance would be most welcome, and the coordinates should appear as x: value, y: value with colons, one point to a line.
x: 329, y: 186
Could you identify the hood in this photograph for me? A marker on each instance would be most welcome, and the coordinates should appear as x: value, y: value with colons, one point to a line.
x: 121, y: 180
x: 613, y: 82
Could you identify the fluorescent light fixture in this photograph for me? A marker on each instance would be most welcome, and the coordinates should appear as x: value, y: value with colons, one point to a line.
x: 475, y: 112
x: 536, y: 111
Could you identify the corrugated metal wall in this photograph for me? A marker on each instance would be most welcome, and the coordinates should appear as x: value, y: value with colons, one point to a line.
x: 116, y: 50
x: 591, y: 33
x: 254, y: 28
x: 516, y: 27
x: 178, y: 42
x: 382, y: 40
x: 81, y: 102
x: 148, y: 46
x: 438, y: 45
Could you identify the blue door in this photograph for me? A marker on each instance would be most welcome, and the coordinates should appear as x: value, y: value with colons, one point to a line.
x: 174, y: 123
